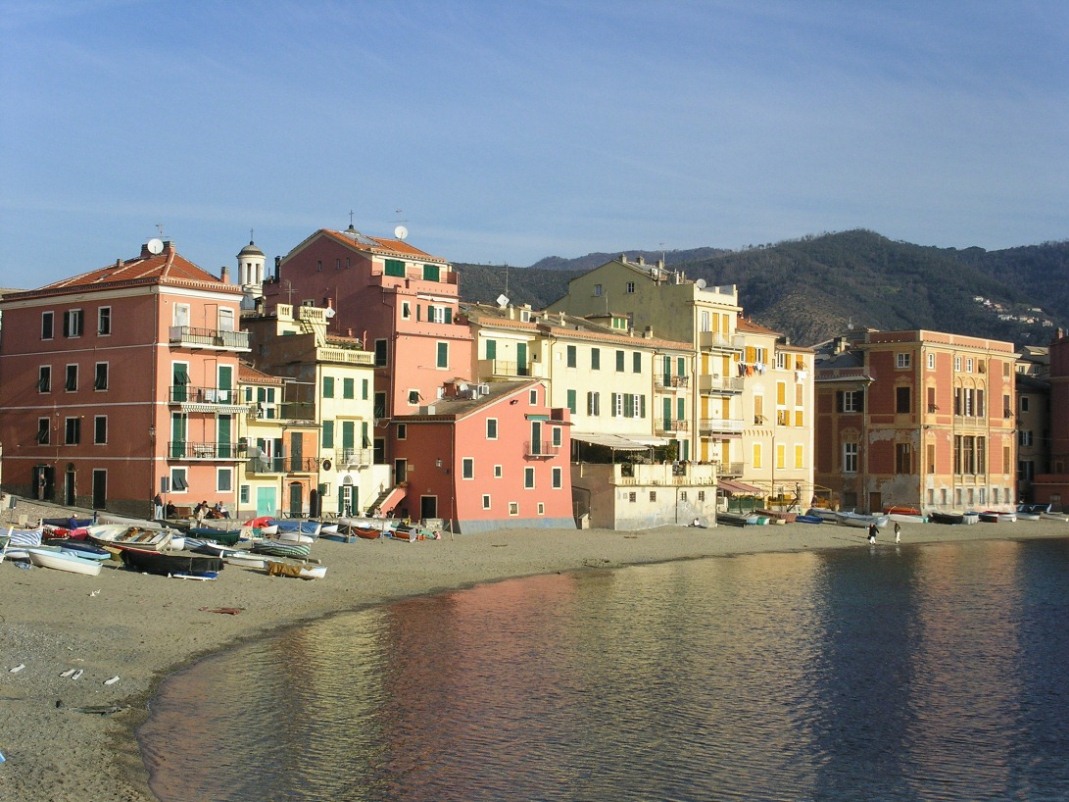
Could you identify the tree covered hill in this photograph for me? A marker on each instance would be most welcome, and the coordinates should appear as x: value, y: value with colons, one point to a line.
x: 819, y: 286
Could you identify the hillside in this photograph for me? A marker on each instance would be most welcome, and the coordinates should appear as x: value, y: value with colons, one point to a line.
x: 816, y: 287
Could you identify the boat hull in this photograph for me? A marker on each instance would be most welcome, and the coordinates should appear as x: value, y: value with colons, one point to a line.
x: 61, y: 561
x: 171, y: 563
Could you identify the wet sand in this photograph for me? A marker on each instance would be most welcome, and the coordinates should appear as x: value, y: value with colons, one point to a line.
x: 58, y: 744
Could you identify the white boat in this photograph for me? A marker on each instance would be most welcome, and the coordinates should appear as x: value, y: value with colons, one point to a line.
x: 300, y: 570
x: 64, y: 561
x: 828, y: 516
x: 124, y: 535
x: 850, y: 518
x: 1028, y: 512
x: 246, y: 560
x: 17, y: 541
x: 905, y: 515
x: 140, y: 523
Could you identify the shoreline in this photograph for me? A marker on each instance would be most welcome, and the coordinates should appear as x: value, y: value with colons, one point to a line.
x: 143, y: 628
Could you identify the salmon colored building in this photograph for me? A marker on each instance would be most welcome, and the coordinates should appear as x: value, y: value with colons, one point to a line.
x: 120, y: 383
x: 487, y: 457
x: 919, y: 419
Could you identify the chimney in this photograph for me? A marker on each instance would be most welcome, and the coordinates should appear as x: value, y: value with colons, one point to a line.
x: 640, y: 260
x: 648, y: 332
x: 224, y: 274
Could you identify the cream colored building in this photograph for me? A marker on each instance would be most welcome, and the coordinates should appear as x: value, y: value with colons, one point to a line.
x: 338, y: 375
x: 754, y: 391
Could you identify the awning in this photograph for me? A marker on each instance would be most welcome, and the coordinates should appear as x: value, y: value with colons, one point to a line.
x: 738, y: 488
x: 614, y: 441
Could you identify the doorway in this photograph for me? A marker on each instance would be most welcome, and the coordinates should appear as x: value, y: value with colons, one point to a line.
x: 100, y: 487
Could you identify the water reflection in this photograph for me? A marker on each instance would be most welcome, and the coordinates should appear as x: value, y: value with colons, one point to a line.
x: 897, y: 673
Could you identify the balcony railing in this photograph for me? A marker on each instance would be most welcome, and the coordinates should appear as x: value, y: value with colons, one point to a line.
x: 721, y: 425
x: 712, y: 339
x: 190, y: 337
x: 190, y: 394
x: 673, y: 382
x: 187, y: 450
x: 540, y: 448
x: 282, y: 464
x: 507, y: 369
x: 672, y: 426
x: 354, y: 457
x: 720, y: 384
x: 729, y: 468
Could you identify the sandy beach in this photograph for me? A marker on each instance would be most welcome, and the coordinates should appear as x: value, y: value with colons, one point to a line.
x: 58, y: 744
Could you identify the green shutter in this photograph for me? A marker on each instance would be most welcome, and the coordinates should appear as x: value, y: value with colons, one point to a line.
x: 328, y: 434
x: 395, y: 267
x: 431, y: 272
x: 328, y: 386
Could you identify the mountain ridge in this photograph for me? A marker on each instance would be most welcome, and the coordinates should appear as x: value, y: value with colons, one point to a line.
x: 819, y: 286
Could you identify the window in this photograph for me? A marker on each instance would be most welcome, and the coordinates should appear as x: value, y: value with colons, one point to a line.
x: 957, y: 364
x: 572, y: 360
x: 73, y: 432
x: 931, y: 361
x: 1024, y: 437
x: 597, y: 290
x: 595, y: 359
x: 348, y: 387
x: 100, y: 377
x: 442, y: 360
x: 653, y: 495
x: 555, y: 436
x: 224, y: 480
x: 226, y: 319
x: 100, y: 429
x: 1007, y: 408
x: 571, y: 401
x: 756, y: 455
x: 850, y: 457
x: 467, y: 468
x: 72, y: 323
x: 902, y: 360
x: 104, y: 320
x: 486, y: 501
x: 406, y: 310
x: 620, y: 357
x: 44, y: 379
x: 1024, y: 403
x: 72, y: 378
x: 43, y: 430
x: 636, y: 362
x: 395, y: 267
x: 48, y: 325
x: 491, y: 428
x: 593, y: 403
x: 630, y: 288
x: 902, y: 399
x: 328, y: 386
x: 244, y: 494
x: 968, y: 365
x: 528, y: 478
x: 903, y: 458
x: 541, y: 508
x: 380, y: 353
x: 558, y: 478
x: 328, y: 434
x: 799, y: 456
x: 364, y: 389
x: 850, y: 401
x: 179, y: 483
x: 498, y: 472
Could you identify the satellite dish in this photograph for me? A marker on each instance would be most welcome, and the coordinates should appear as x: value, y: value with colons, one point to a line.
x: 400, y: 232
x: 700, y: 284
x: 502, y: 300
x: 155, y: 245
x: 330, y: 312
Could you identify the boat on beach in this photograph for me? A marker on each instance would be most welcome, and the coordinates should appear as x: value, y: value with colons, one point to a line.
x: 280, y: 548
x: 825, y: 514
x: 366, y: 528
x: 953, y: 517
x: 905, y: 515
x: 301, y: 570
x: 171, y: 563
x: 135, y: 536
x: 998, y: 516
x: 861, y: 520
x: 64, y: 561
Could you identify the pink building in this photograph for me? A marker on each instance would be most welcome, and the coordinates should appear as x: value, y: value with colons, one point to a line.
x: 120, y: 383
x: 486, y: 457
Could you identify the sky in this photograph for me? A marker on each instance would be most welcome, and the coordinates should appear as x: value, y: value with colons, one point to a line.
x: 504, y: 132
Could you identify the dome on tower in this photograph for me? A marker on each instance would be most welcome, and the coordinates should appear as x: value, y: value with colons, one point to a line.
x: 250, y: 250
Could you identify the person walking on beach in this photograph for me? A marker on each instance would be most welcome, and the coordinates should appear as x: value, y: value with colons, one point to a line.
x: 873, y: 531
x: 898, y: 533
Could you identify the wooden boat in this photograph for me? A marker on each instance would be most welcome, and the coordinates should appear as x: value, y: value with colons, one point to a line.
x: 778, y: 515
x: 123, y: 535
x: 809, y: 519
x: 366, y: 528
x: 905, y: 515
x: 849, y: 518
x: 170, y: 563
x: 227, y: 535
x: 300, y: 570
x: 64, y: 561
x: 998, y: 516
x: 280, y: 548
x: 829, y: 516
x: 246, y: 559
x: 411, y: 533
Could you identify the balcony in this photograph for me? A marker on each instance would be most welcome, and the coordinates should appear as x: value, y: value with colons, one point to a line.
x: 353, y: 457
x: 345, y: 356
x: 671, y: 427
x: 206, y: 399
x: 281, y: 464
x: 214, y: 339
x: 714, y: 426
x: 713, y: 339
x: 626, y: 474
x: 668, y: 384
x: 187, y: 450
x: 716, y: 383
x: 729, y: 469
x: 540, y: 448
x: 491, y: 369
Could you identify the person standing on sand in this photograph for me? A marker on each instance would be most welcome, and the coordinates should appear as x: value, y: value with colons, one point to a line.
x: 898, y: 533
x: 873, y: 530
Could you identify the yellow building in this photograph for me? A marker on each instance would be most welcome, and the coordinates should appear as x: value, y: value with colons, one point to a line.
x: 754, y: 391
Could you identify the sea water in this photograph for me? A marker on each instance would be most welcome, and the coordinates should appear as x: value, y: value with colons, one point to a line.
x: 935, y: 672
